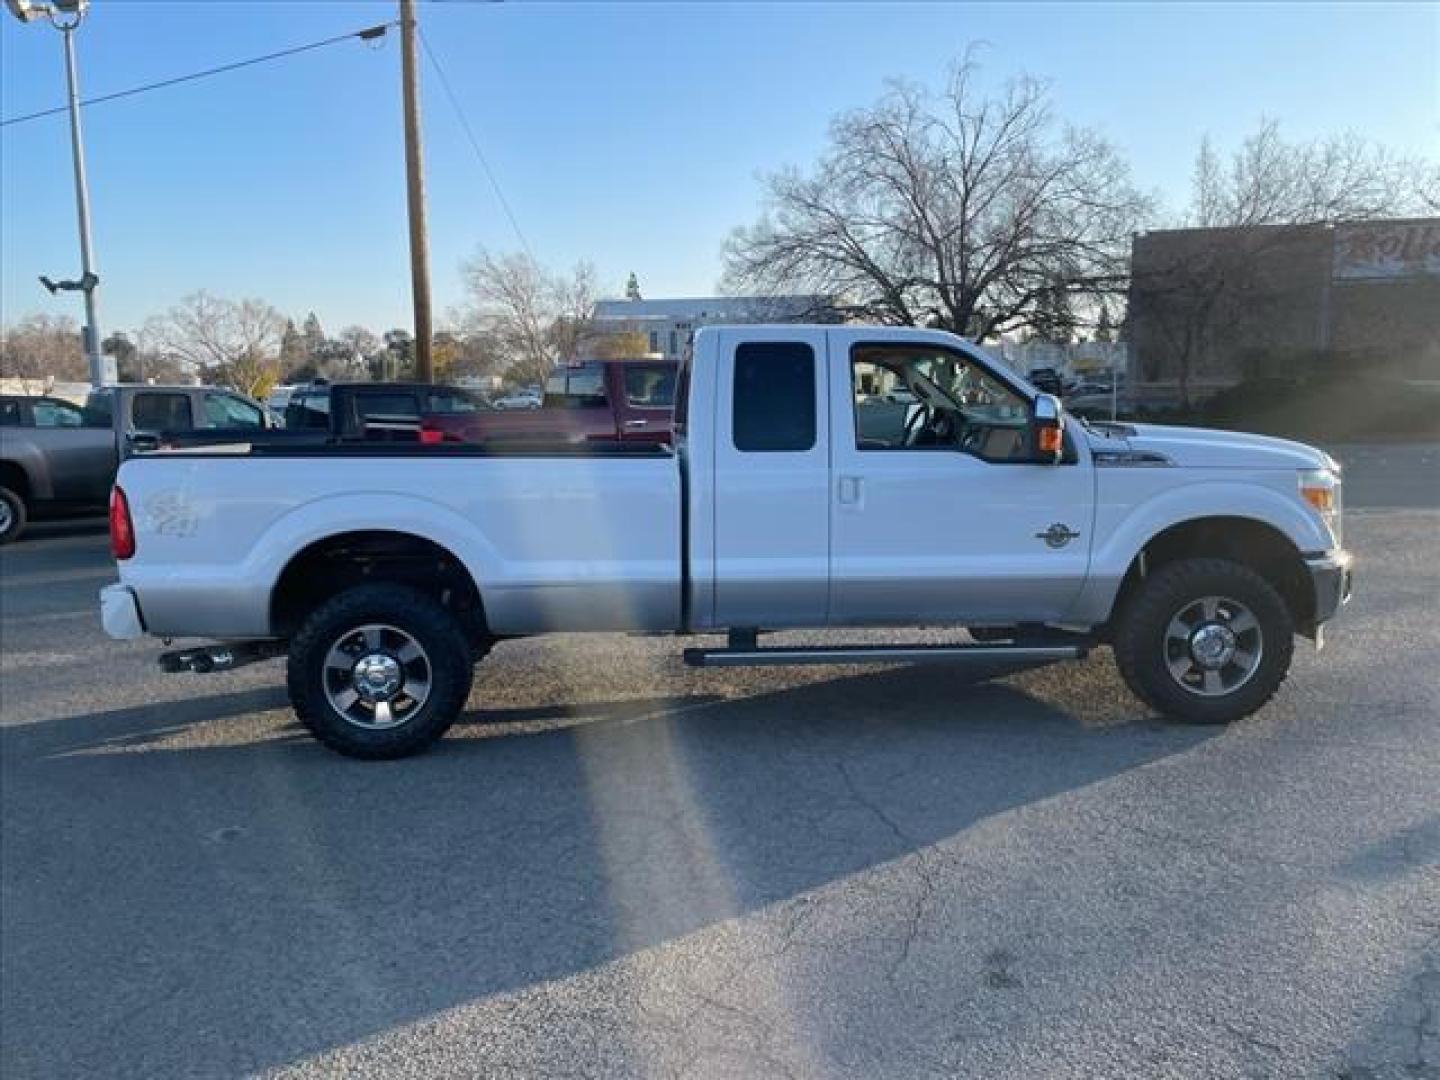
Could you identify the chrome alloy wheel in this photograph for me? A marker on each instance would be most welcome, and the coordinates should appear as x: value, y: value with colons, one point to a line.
x: 377, y: 676
x: 7, y: 517
x: 1213, y: 646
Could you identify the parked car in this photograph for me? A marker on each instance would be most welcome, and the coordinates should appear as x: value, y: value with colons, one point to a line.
x: 386, y: 572
x: 58, y: 459
x: 520, y: 399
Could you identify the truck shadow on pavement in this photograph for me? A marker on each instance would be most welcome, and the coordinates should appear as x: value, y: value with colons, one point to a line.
x: 242, y: 905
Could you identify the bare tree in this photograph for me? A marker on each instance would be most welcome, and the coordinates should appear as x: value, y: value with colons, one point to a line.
x: 233, y: 343
x: 42, y: 350
x: 956, y: 209
x: 533, y: 317
x: 574, y: 299
x: 1269, y: 181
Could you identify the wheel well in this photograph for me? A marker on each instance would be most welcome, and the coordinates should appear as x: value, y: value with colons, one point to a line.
x: 1261, y: 547
x: 330, y: 566
x: 13, y: 477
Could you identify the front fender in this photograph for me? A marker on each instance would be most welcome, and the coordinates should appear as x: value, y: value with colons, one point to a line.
x: 1122, y: 530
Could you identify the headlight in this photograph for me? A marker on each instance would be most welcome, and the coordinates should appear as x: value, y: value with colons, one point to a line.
x: 1321, y: 489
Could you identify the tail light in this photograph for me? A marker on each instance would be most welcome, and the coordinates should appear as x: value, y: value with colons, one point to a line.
x: 122, y: 529
x: 430, y: 436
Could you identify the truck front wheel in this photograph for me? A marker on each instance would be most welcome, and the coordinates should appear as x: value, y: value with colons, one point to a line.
x: 379, y: 671
x: 1204, y: 640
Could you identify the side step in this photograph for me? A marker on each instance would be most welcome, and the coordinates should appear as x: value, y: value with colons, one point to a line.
x: 757, y: 656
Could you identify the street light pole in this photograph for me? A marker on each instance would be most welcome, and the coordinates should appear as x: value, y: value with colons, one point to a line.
x: 102, y: 368
x: 65, y: 16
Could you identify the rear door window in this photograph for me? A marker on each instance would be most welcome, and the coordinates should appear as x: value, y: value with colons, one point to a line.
x: 161, y: 412
x: 774, y: 408
x: 650, y: 386
x: 581, y: 386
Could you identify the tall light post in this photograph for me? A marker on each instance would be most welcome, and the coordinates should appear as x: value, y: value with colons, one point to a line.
x: 65, y: 16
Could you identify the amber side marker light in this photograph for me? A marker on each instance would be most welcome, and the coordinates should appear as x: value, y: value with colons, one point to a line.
x: 1321, y: 490
x: 1323, y: 499
x: 1051, y: 440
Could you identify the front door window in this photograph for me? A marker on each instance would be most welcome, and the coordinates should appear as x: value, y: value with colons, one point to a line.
x: 909, y: 398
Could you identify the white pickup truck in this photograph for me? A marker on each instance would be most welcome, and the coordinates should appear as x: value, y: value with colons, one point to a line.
x: 821, y: 476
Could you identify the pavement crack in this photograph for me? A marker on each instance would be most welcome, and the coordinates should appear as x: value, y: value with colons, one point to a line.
x: 924, y: 872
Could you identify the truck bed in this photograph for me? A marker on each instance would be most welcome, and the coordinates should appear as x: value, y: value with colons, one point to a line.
x: 567, y: 537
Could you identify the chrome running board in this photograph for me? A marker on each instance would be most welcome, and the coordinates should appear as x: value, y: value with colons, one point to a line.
x: 884, y: 654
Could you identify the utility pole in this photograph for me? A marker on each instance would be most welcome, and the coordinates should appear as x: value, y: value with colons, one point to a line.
x: 415, y: 192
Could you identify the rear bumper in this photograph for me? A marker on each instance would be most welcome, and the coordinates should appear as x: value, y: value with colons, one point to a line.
x: 1332, y: 578
x: 120, y: 613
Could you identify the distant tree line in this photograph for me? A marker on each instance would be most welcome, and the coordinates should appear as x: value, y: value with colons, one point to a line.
x: 965, y: 207
x: 247, y: 345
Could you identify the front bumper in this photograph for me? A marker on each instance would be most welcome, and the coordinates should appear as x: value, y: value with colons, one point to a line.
x: 120, y: 613
x: 1332, y: 577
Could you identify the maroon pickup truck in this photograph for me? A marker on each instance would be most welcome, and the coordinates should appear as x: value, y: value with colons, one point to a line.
x: 595, y: 401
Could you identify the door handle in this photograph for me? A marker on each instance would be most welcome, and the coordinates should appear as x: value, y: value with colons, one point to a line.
x: 850, y: 490
x: 636, y: 423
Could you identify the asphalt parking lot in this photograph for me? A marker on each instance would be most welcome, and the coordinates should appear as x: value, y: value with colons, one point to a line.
x: 616, y: 866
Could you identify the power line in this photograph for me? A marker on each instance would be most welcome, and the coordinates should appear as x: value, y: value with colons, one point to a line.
x: 475, y: 145
x: 370, y: 33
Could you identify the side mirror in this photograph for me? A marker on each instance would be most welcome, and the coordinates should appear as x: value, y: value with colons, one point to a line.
x: 1047, y: 429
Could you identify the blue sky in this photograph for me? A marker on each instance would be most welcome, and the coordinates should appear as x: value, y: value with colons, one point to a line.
x: 633, y: 135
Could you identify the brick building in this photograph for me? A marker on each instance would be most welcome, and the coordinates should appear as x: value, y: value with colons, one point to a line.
x: 1214, y: 306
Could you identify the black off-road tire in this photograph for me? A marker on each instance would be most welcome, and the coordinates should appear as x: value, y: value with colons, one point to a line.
x: 409, y: 610
x: 13, y: 516
x: 1139, y: 638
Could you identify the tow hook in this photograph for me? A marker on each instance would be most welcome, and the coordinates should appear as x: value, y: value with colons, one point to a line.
x: 209, y: 658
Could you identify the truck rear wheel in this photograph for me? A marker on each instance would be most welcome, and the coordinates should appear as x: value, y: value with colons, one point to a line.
x: 1204, y: 640
x: 379, y: 671
x: 12, y: 515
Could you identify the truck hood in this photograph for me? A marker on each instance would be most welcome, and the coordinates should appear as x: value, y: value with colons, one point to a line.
x: 1206, y: 448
